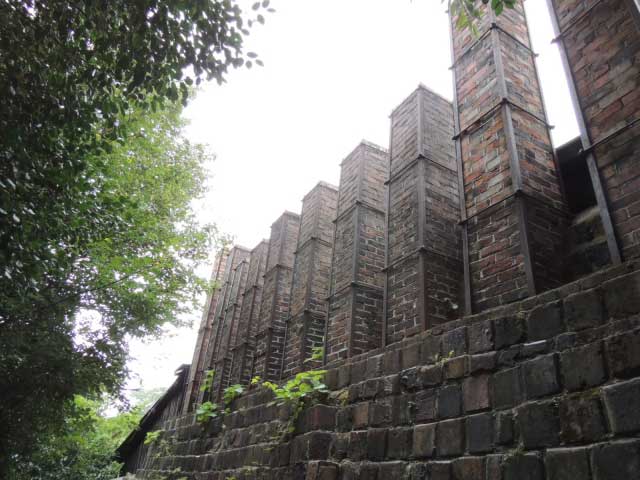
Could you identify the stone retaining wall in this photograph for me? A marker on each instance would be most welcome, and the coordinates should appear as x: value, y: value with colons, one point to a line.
x: 546, y: 388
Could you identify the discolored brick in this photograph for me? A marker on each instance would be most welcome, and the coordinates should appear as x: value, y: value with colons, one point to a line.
x: 583, y: 310
x: 615, y: 461
x: 424, y: 440
x: 523, y: 467
x: 545, y: 321
x: 567, y: 463
x: 574, y: 374
x: 508, y: 331
x: 468, y: 468
x: 480, y: 337
x: 581, y: 419
x: 475, y: 393
x: 538, y: 424
x: 541, y: 376
x: 376, y: 444
x: 400, y: 443
x: 623, y: 354
x: 449, y: 401
x: 622, y: 406
x: 450, y: 438
x: 479, y: 433
x: 505, y: 388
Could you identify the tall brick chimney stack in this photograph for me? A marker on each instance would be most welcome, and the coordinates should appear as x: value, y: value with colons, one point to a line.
x: 512, y: 205
x: 219, y: 352
x: 204, y: 331
x: 274, y: 307
x: 226, y: 298
x: 311, y: 275
x: 354, y: 320
x: 424, y: 262
x: 600, y: 48
x: 243, y: 340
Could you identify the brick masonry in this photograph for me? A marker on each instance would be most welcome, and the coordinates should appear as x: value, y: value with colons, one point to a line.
x: 600, y: 42
x: 534, y: 386
x: 311, y: 276
x: 210, y: 355
x: 227, y: 320
x: 244, y: 337
x: 513, y: 213
x: 502, y: 395
x: 204, y: 331
x: 354, y: 321
x: 276, y: 294
x: 424, y: 256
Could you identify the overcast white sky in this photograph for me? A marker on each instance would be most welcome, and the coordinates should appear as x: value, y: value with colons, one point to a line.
x: 333, y: 72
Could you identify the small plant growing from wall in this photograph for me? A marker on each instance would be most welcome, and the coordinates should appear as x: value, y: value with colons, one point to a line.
x: 230, y: 394
x: 298, y: 392
x: 305, y: 387
x: 207, y: 384
x: 152, y: 436
x: 317, y: 354
x: 208, y: 410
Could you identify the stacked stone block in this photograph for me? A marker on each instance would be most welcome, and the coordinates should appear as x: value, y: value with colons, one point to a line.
x: 227, y: 321
x: 541, y: 389
x: 204, y: 331
x: 424, y: 262
x: 354, y: 321
x: 310, y: 284
x: 512, y: 208
x: 600, y: 46
x: 243, y: 338
x: 274, y: 306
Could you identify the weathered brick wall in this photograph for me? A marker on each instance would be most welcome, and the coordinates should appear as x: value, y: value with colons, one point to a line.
x: 541, y: 389
x: 513, y: 213
x: 354, y: 319
x: 276, y: 292
x: 424, y: 263
x: 229, y: 316
x: 311, y: 275
x: 204, y: 331
x: 243, y: 340
x: 601, y: 48
x: 226, y: 298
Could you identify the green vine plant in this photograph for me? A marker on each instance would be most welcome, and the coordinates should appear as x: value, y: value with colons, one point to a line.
x: 208, y: 410
x: 152, y: 436
x: 208, y: 381
x: 317, y: 354
x: 230, y: 394
x: 298, y: 392
x: 440, y: 361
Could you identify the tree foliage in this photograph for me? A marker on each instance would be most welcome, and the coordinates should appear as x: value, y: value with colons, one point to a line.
x: 84, y: 447
x: 467, y: 11
x: 69, y: 71
x: 97, y: 237
x: 126, y: 278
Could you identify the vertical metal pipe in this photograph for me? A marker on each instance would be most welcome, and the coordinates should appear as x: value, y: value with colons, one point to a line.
x: 463, y: 203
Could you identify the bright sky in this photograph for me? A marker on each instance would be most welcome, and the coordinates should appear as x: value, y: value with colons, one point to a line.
x: 333, y: 72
